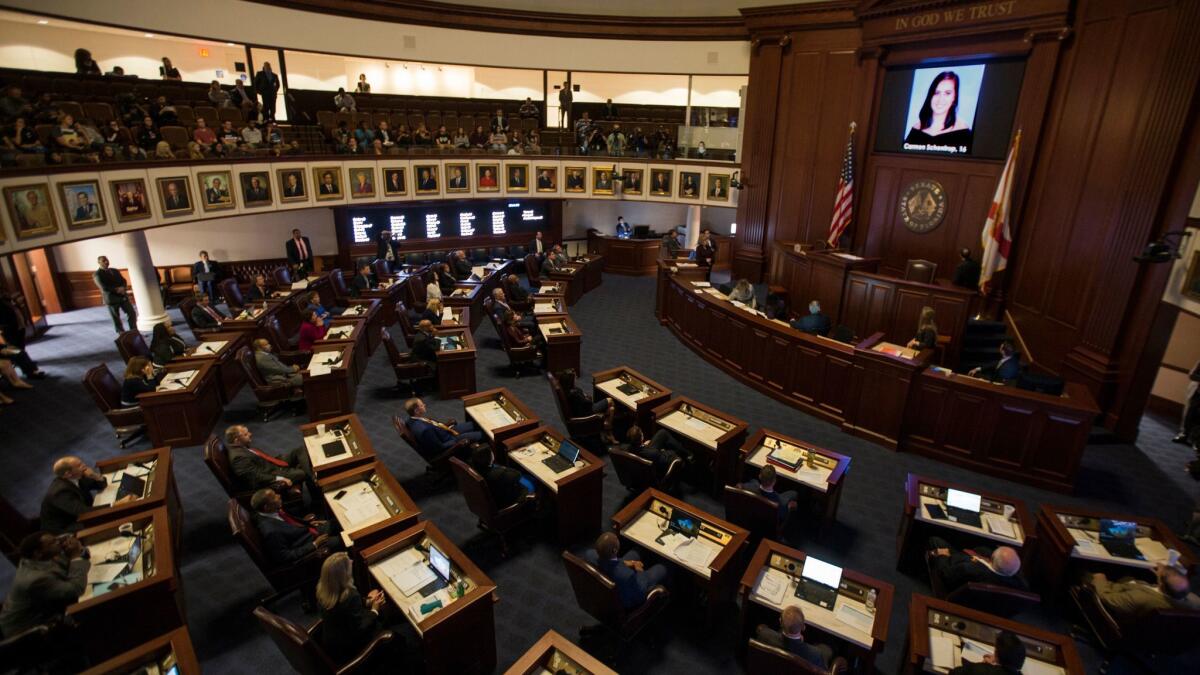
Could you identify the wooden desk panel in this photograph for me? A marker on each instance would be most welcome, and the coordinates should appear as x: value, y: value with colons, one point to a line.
x: 562, y: 349
x: 593, y: 270
x: 630, y: 257
x: 372, y: 322
x: 513, y: 406
x: 720, y: 446
x: 554, y: 652
x: 821, y: 483
x: 161, y: 490
x: 571, y: 282
x: 186, y: 416
x: 456, y: 368
x: 175, y: 645
x: 333, y: 393
x: 877, y: 303
x: 641, y: 409
x: 470, y: 295
x: 229, y: 373
x: 882, y: 383
x: 400, y: 512
x: 356, y: 443
x: 577, y: 493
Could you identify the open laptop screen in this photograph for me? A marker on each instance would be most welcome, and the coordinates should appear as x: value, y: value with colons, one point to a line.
x: 439, y: 562
x: 962, y: 500
x: 822, y: 572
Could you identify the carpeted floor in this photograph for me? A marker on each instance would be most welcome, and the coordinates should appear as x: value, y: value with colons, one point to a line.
x: 222, y: 585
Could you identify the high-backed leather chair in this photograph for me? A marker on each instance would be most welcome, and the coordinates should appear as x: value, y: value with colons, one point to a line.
x: 577, y: 427
x: 285, y: 578
x: 597, y: 595
x: 129, y: 424
x: 186, y: 306
x: 753, y: 512
x: 414, y: 259
x: 990, y: 598
x: 407, y: 330
x: 479, y: 255
x: 232, y: 292
x: 920, y: 270
x: 525, y: 305
x: 414, y: 292
x: 479, y: 500
x: 216, y: 456
x: 408, y: 372
x: 302, y: 647
x: 281, y: 277
x: 533, y: 271
x: 519, y: 355
x: 439, y: 463
x: 516, y: 251
x: 130, y: 344
x: 270, y: 397
x: 764, y: 658
x: 381, y: 269
x: 498, y: 253
x: 28, y: 651
x: 635, y: 473
x: 281, y: 346
x: 341, y: 292
x: 1163, y: 632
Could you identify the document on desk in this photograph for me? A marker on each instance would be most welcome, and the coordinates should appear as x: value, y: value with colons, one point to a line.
x: 299, y: 285
x: 772, y: 586
x: 211, y: 348
x: 105, y: 572
x: 447, y: 314
x: 177, y: 381
x: 1151, y: 549
x: 701, y: 284
x: 999, y: 525
x: 109, y: 494
x: 974, y: 651
x: 414, y: 578
x: 943, y: 651
x: 856, y: 617
x: 696, y: 552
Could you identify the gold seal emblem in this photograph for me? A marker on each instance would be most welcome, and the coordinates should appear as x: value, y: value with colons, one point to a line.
x: 922, y: 206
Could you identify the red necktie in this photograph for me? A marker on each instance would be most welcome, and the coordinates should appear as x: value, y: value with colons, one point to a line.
x: 274, y: 460
x: 302, y: 249
x: 287, y: 518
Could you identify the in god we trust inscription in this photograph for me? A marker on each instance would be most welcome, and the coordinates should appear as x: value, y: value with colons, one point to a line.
x: 922, y: 206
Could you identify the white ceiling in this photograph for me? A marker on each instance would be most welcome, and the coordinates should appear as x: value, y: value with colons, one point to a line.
x: 656, y: 8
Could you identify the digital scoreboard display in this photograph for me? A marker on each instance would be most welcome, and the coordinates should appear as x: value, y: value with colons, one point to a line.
x: 417, y: 222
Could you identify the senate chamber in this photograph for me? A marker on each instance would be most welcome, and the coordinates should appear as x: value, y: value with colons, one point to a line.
x: 721, y: 336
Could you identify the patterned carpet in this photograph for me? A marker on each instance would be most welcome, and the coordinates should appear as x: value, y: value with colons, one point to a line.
x: 222, y: 585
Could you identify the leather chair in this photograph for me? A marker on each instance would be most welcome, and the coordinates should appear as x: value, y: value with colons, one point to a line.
x: 755, y: 513
x: 533, y: 271
x: 635, y: 473
x: 270, y: 397
x: 1164, y: 632
x: 498, y: 253
x: 129, y: 424
x: 28, y: 651
x: 519, y: 355
x: 285, y: 578
x: 302, y: 648
x: 479, y: 500
x: 232, y: 292
x: 408, y: 372
x: 216, y: 456
x: 525, y: 305
x: 516, y: 251
x: 281, y: 346
x: 990, y: 598
x: 414, y: 259
x: 920, y: 270
x: 479, y: 255
x: 130, y: 344
x: 186, y: 306
x: 341, y: 292
x: 281, y: 277
x: 407, y: 330
x: 414, y: 292
x: 381, y: 269
x: 580, y: 428
x: 764, y: 658
x: 597, y: 595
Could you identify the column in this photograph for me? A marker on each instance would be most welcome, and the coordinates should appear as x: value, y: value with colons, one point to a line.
x: 693, y: 227
x: 143, y: 281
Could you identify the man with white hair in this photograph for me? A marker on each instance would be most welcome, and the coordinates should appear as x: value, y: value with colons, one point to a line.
x: 70, y: 495
x: 999, y: 566
x: 815, y: 323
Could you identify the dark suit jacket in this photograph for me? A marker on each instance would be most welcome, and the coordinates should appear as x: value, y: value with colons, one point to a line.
x: 108, y: 281
x: 284, y: 543
x: 251, y: 472
x: 966, y: 274
x: 517, y: 293
x: 203, y: 319
x: 631, y: 592
x: 255, y: 294
x: 382, y: 246
x: 462, y: 269
x: 798, y: 647
x: 579, y: 403
x: 348, y: 627
x: 293, y: 255
x: 41, y: 591
x: 359, y: 284
x: 214, y: 268
x: 1003, y: 372
x: 813, y: 324
x: 959, y: 568
x: 425, y: 347
x: 65, y: 502
x: 431, y: 439
x: 504, y: 484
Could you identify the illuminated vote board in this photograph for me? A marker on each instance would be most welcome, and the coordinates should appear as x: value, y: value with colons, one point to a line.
x: 417, y: 222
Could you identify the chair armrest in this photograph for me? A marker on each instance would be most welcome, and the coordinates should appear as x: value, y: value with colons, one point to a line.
x: 363, y: 656
x: 294, y: 357
x: 594, y: 418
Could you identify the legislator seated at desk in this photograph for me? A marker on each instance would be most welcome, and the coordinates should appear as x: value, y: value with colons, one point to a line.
x: 434, y: 437
x: 790, y: 637
x: 204, y: 315
x: 506, y: 485
x: 743, y: 292
x: 514, y: 290
x: 287, y: 539
x: 312, y: 330
x: 579, y: 404
x: 764, y: 486
x: 254, y: 469
x: 140, y: 378
x: 425, y: 344
x: 814, y: 323
x: 663, y: 450
x: 460, y: 266
x: 1000, y: 566
x: 70, y: 495
x: 1129, y: 600
x: 165, y: 343
x: 348, y: 621
x: 51, y: 575
x: 1007, y: 658
x: 259, y: 290
x: 1006, y: 370
x: 961, y: 515
x: 628, y: 572
x: 363, y: 281
x: 275, y: 371
x: 927, y: 332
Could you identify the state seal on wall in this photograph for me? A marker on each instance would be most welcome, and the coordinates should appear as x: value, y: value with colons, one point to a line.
x: 922, y: 206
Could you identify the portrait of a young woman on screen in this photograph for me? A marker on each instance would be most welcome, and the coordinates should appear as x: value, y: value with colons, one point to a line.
x: 938, y: 122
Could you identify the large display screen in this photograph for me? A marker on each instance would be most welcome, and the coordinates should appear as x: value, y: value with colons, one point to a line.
x: 951, y: 110
x: 418, y: 222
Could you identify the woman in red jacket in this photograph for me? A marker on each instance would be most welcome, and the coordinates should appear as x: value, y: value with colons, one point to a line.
x: 311, y: 331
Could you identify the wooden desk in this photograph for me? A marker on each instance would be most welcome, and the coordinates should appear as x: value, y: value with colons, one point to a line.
x: 369, y: 312
x: 631, y: 257
x: 577, y: 492
x: 373, y: 505
x: 707, y: 432
x: 152, y: 466
x: 221, y: 348
x: 150, y: 602
x: 917, y: 526
x: 467, y: 294
x: 554, y: 653
x: 500, y: 414
x: 1032, y: 438
x: 253, y: 317
x: 349, y: 332
x: 877, y: 302
x: 570, y: 280
x: 930, y: 618
x: 458, y: 637
x: 722, y: 544
x: 456, y: 363
x: 593, y: 270
x: 330, y: 388
x: 639, y: 406
x: 858, y: 629
x: 182, y: 416
x: 816, y: 275
x: 821, y: 479
x: 347, y: 430
x: 454, y: 317
x: 563, y: 341
x: 388, y: 294
x: 548, y: 303
x: 1068, y: 546
x: 668, y: 270
x: 880, y: 396
x: 171, y: 649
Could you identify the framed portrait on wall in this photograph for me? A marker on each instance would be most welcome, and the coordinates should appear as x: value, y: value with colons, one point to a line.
x: 660, y: 182
x: 395, y: 182
x: 516, y: 177
x: 1191, y: 282
x: 689, y: 184
x: 427, y: 178
x: 292, y: 185
x: 328, y: 182
x: 129, y: 195
x: 717, y: 189
x: 81, y: 202
x: 29, y: 210
x: 487, y: 177
x: 362, y: 182
x: 602, y: 180
x: 457, y: 177
x: 174, y: 196
x: 632, y: 182
x: 256, y: 188
x: 214, y: 186
x: 576, y: 175
x: 547, y: 178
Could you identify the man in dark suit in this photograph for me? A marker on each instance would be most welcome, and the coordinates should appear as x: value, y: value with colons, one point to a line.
x: 663, y: 450
x: 363, y: 281
x: 204, y: 315
x: 254, y: 469
x: 538, y: 247
x: 458, y: 181
x: 256, y: 191
x: 1008, y: 658
x: 427, y: 183
x: 1007, y: 369
x: 177, y: 199
x: 215, y: 193
x: 574, y: 180
x: 115, y: 295
x: 790, y: 638
x: 206, y: 272
x: 966, y: 275
x: 291, y: 185
x: 434, y: 437
x: 287, y: 539
x: 425, y: 345
x: 70, y: 495
x: 544, y: 181
x: 266, y: 84
x: 386, y: 248
x: 299, y: 252
x: 999, y: 566
x: 395, y: 182
x: 51, y: 576
x: 506, y: 484
x: 514, y: 290
x: 764, y: 486
x: 461, y: 267
x: 815, y: 323
x: 328, y: 186
x: 632, y: 579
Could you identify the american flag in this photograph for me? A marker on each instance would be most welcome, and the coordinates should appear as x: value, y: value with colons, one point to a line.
x: 843, y: 203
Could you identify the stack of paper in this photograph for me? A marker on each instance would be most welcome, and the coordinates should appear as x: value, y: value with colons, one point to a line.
x: 855, y: 617
x: 213, y: 347
x: 772, y: 586
x: 1000, y: 525
x: 447, y: 314
x: 696, y: 552
x: 1151, y: 549
x: 943, y: 651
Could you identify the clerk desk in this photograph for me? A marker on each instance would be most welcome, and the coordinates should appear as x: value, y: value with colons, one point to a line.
x: 633, y: 257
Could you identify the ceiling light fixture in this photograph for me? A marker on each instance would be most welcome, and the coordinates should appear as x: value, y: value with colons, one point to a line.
x: 149, y: 35
x: 42, y: 22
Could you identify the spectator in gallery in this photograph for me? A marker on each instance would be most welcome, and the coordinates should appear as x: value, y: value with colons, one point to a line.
x: 341, y: 136
x: 133, y: 153
x: 255, y: 113
x: 403, y: 136
x: 343, y: 102
x: 479, y: 138
x: 46, y: 112
x: 163, y: 151
x: 701, y: 151
x: 84, y: 63
x: 363, y: 135
x: 533, y: 143
x: 266, y: 83
x: 65, y: 137
x: 421, y: 136
x: 218, y: 96
x: 203, y: 135
x: 168, y: 71
x: 460, y: 139
x: 616, y: 141
x: 597, y: 143
x: 112, y: 133
x: 516, y: 144
x: 13, y: 105
x: 117, y: 71
x: 609, y: 111
x: 363, y: 87
x: 194, y: 151
x: 252, y: 135
x: 583, y: 125
x: 352, y: 147
x: 242, y: 97
x: 638, y: 142
x: 243, y: 149
x: 22, y: 137
x: 442, y: 138
x: 228, y: 135
x: 272, y: 135
x: 498, y: 141
x: 377, y: 148
x: 163, y: 112
x: 384, y: 135
x: 148, y: 135
x: 499, y: 121
x: 529, y: 109
x: 565, y: 98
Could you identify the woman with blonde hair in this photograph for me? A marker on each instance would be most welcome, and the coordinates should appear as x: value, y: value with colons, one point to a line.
x: 194, y: 151
x: 743, y: 292
x: 927, y: 332
x: 433, y: 311
x: 163, y: 151
x: 348, y: 622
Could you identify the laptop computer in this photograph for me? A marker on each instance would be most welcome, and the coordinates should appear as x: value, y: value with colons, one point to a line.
x: 1117, y: 537
x: 131, y: 485
x: 963, y: 507
x: 819, y: 582
x: 440, y: 564
x: 564, y: 459
x: 683, y: 524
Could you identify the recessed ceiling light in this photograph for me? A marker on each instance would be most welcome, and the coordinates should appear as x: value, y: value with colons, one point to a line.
x: 230, y: 44
x: 42, y: 22
x: 148, y: 35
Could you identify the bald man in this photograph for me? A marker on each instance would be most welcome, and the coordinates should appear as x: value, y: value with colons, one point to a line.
x: 999, y: 566
x: 1130, y: 600
x: 273, y: 370
x: 70, y: 495
x: 631, y: 577
x: 790, y: 637
x: 425, y: 344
